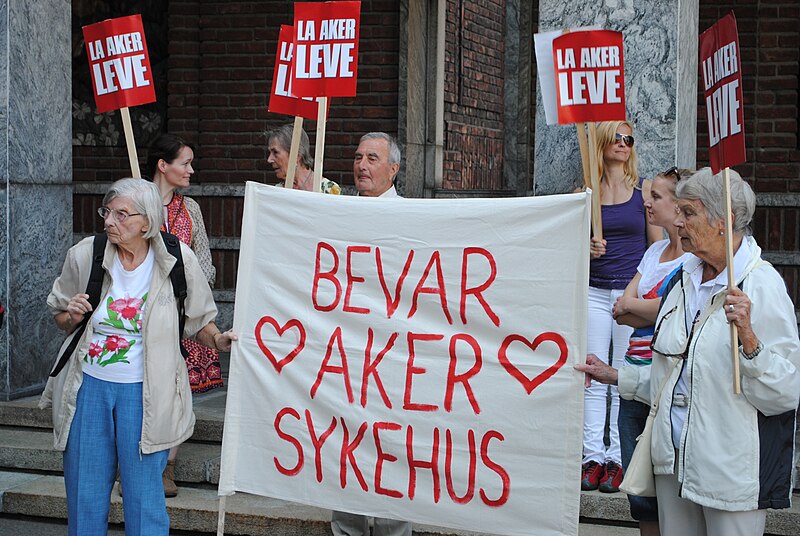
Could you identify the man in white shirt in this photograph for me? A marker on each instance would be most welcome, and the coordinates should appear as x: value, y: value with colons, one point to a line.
x: 376, y: 164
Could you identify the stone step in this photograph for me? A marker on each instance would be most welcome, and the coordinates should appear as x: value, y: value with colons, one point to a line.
x: 28, y: 526
x: 209, y: 410
x: 26, y: 445
x: 24, y: 412
x: 25, y: 526
x: 32, y: 450
x: 195, y: 510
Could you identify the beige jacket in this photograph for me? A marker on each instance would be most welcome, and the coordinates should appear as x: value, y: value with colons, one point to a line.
x: 168, y: 419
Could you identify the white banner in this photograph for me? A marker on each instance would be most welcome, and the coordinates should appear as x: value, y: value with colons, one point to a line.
x: 411, y: 358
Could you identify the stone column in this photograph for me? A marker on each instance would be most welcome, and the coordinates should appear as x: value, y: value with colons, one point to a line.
x: 660, y: 40
x: 421, y: 99
x: 517, y: 97
x: 35, y: 184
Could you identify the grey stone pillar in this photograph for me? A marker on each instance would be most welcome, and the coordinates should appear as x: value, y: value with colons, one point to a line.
x: 35, y: 183
x: 517, y: 97
x: 660, y: 40
x: 421, y: 99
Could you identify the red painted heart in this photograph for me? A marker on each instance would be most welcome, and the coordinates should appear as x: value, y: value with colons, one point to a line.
x: 280, y: 330
x: 532, y: 383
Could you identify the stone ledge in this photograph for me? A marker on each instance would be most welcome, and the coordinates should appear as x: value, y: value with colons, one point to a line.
x: 32, y: 450
x: 209, y: 409
x: 195, y: 510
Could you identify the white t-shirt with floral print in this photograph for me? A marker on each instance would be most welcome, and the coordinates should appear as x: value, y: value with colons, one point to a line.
x: 115, y: 353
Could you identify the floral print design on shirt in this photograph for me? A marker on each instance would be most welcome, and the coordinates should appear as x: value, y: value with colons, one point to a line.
x: 124, y: 314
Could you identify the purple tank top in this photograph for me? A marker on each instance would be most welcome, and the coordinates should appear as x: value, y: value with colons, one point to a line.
x: 625, y: 233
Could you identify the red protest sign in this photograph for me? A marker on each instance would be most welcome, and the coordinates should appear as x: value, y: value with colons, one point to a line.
x: 281, y: 100
x: 722, y: 89
x: 590, y: 76
x: 325, y: 48
x: 119, y: 63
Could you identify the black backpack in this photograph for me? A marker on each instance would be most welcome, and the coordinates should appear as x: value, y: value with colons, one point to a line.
x: 95, y: 286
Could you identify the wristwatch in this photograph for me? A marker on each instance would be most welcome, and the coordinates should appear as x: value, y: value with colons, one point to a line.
x: 752, y: 354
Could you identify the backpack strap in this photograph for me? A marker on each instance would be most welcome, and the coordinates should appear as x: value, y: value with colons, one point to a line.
x: 93, y: 288
x: 178, y: 278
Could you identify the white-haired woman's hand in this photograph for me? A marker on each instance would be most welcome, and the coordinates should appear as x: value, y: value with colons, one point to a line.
x: 737, y: 311
x: 212, y: 337
x: 596, y: 369
x: 77, y: 307
x: 224, y: 340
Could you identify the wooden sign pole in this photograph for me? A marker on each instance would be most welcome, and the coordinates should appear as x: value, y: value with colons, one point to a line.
x: 583, y: 142
x: 130, y: 142
x: 319, y: 148
x: 594, y: 181
x: 221, y: 517
x: 737, y: 388
x: 288, y: 182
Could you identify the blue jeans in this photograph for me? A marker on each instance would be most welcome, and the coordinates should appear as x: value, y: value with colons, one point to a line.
x: 105, y: 432
x: 632, y: 417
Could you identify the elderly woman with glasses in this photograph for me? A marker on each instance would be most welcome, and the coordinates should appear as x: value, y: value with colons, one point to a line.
x: 720, y: 458
x: 123, y: 396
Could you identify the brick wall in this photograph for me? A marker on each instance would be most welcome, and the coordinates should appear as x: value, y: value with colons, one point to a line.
x: 473, y: 100
x: 213, y: 62
x: 220, y: 59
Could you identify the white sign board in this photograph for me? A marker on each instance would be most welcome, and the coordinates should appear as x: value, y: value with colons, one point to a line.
x: 546, y: 72
x: 411, y: 359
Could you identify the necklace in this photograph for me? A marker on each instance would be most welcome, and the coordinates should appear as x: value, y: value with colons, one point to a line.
x: 303, y: 185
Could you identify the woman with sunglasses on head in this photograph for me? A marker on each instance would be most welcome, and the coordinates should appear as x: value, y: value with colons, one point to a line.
x: 637, y: 308
x: 720, y: 459
x: 614, y: 259
x: 123, y: 398
x: 169, y: 164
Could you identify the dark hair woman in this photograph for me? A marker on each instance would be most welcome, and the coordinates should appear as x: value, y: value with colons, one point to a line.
x: 169, y: 165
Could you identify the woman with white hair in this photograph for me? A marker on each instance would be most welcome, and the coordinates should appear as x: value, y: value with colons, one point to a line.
x: 123, y: 396
x: 720, y: 459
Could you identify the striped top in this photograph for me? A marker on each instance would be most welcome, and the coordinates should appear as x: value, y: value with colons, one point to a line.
x: 655, y: 275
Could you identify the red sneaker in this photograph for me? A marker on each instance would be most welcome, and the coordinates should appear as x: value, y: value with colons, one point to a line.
x: 591, y: 475
x: 612, y: 479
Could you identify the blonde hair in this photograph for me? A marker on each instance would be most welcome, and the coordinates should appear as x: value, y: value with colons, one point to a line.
x: 606, y: 131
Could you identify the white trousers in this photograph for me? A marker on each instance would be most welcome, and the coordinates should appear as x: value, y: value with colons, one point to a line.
x: 681, y: 517
x: 603, y: 332
x: 347, y: 524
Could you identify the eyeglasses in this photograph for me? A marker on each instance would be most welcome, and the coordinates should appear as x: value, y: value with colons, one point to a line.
x: 678, y: 347
x: 627, y: 140
x: 674, y: 346
x: 672, y: 171
x: 119, y: 215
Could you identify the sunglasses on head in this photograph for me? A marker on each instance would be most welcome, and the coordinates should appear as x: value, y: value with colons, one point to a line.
x: 627, y: 140
x: 674, y: 172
